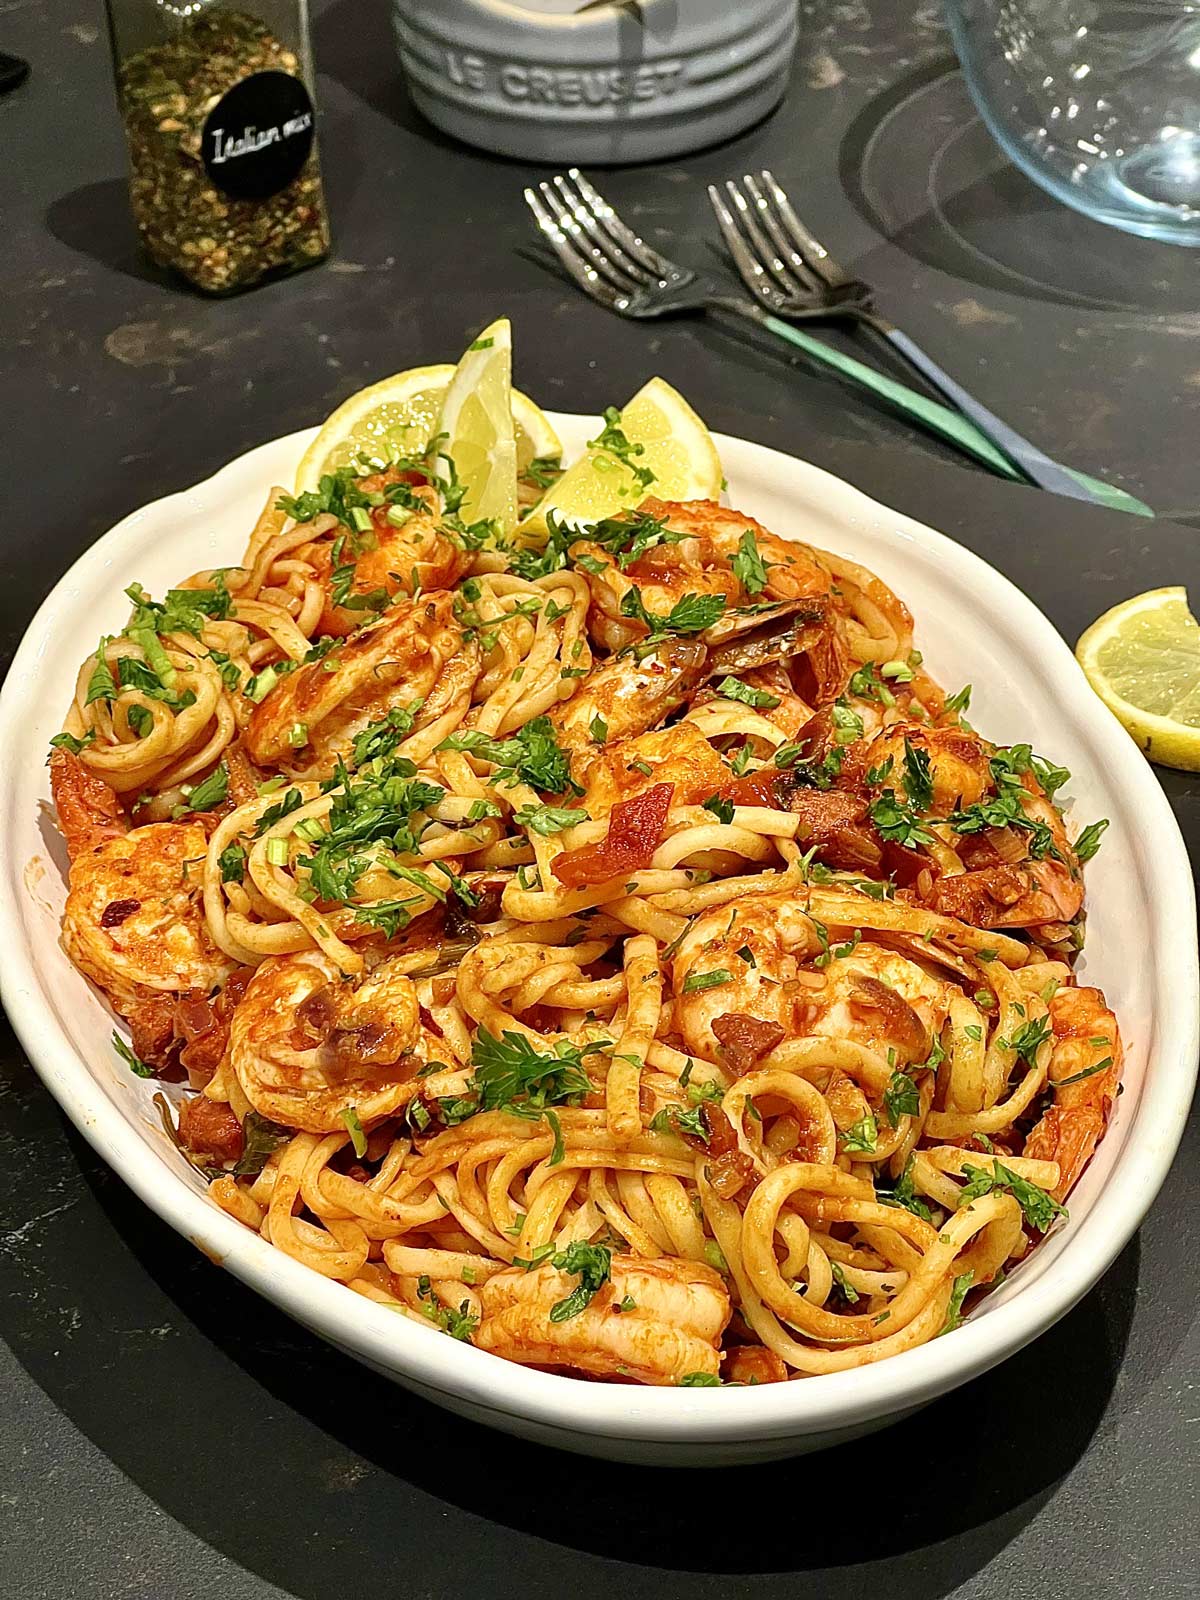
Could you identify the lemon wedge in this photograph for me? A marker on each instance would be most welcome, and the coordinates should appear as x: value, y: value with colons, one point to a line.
x: 475, y: 428
x: 395, y: 417
x: 1143, y: 659
x: 400, y: 415
x: 671, y: 454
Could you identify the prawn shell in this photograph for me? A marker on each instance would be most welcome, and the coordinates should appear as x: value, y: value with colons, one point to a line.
x: 153, y: 876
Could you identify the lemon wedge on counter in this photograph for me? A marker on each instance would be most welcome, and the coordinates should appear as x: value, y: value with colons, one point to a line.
x: 1143, y: 659
x: 660, y: 447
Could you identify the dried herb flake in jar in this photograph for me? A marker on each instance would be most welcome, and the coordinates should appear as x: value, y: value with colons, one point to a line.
x: 221, y: 129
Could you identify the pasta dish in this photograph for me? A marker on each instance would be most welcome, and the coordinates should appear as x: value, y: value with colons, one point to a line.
x: 614, y: 949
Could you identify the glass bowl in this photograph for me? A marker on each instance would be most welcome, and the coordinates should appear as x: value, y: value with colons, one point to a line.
x: 1098, y: 101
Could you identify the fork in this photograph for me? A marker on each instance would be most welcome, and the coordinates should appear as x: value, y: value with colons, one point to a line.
x: 615, y: 267
x: 788, y: 270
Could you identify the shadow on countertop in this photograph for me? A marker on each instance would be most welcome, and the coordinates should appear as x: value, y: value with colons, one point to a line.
x: 919, y: 165
x: 326, y: 1480
x: 96, y: 221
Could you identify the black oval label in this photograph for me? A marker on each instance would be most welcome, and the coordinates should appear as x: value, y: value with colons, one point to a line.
x: 258, y: 136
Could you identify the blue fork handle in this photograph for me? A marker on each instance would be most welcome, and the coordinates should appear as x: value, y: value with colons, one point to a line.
x: 1034, y: 463
x: 948, y: 423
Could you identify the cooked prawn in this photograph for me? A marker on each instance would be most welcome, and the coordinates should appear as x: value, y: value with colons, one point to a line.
x: 958, y: 761
x: 134, y: 917
x: 419, y: 555
x: 1085, y: 1071
x: 89, y: 812
x: 307, y: 1047
x: 1027, y: 894
x: 680, y: 756
x: 672, y: 1328
x: 793, y: 570
x: 699, y: 563
x: 627, y: 695
x: 766, y: 944
x: 414, y: 656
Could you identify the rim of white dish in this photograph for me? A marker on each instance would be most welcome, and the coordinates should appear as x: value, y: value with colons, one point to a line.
x: 809, y: 1405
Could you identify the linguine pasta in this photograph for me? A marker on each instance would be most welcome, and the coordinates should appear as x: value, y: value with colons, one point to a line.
x: 620, y: 954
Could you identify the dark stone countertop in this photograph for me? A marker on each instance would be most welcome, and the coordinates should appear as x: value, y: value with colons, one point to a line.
x: 169, y: 1435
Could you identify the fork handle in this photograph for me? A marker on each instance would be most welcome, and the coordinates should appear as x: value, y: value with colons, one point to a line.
x: 1034, y: 463
x: 948, y: 424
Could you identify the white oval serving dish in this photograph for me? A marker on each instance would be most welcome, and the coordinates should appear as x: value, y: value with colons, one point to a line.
x: 973, y: 626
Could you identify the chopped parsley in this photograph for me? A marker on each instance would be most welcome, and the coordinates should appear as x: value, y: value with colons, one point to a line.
x: 847, y: 724
x: 374, y: 817
x: 592, y: 1264
x: 511, y: 1074
x: 355, y: 1129
x: 848, y: 1292
x: 680, y: 1120
x: 720, y: 807
x: 867, y: 684
x: 543, y: 471
x: 1040, y: 1209
x: 101, y: 685
x: 379, y: 739
x: 613, y: 439
x: 860, y: 1138
x: 549, y: 820
x: 691, y: 614
x: 903, y: 1193
x: 337, y: 495
x: 630, y: 536
x: 232, y: 862
x: 260, y: 1139
x: 388, y: 916
x: 72, y: 745
x: 954, y: 1309
x: 1028, y: 1038
x: 532, y: 755
x: 917, y: 777
x: 212, y: 792
x: 182, y: 611
x: 898, y: 822
x: 135, y: 1064
x: 1088, y: 841
x: 699, y: 981
x: 458, y: 1324
x: 748, y: 565
x: 733, y: 689
x: 901, y: 1098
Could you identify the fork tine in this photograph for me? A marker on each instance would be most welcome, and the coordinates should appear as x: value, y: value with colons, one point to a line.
x: 590, y: 281
x: 632, y: 243
x: 752, y: 273
x: 814, y: 252
x: 788, y: 254
x: 760, y: 245
x: 593, y: 253
x: 599, y: 236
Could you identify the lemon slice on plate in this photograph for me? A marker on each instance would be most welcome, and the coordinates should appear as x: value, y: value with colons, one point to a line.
x: 400, y: 415
x: 395, y: 417
x: 677, y: 460
x: 1143, y: 659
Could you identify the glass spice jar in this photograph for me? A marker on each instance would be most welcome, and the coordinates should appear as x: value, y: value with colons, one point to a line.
x: 219, y: 117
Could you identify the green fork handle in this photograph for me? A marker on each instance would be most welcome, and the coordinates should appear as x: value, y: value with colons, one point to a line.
x: 937, y: 418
